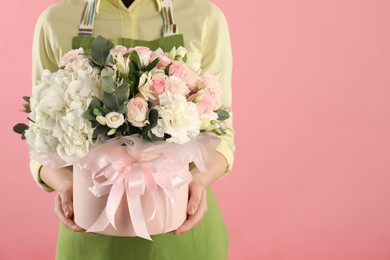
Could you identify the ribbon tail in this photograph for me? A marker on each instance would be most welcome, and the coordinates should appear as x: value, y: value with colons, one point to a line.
x: 137, y: 216
x: 152, y: 186
x: 100, y: 224
x: 113, y: 201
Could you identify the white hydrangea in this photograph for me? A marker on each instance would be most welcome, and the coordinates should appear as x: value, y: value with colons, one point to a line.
x: 58, y: 102
x: 177, y: 117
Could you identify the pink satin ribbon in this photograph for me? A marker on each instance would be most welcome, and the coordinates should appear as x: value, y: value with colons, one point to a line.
x: 161, y: 164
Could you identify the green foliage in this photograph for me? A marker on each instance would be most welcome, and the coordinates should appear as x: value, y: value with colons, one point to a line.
x: 131, y: 80
x: 146, y: 130
x: 153, y: 118
x: 100, y: 50
x: 134, y: 57
x: 152, y: 65
x: 223, y: 115
x: 20, y: 129
x: 167, y: 68
x: 108, y: 84
x: 99, y: 130
x: 113, y: 101
x: 95, y: 104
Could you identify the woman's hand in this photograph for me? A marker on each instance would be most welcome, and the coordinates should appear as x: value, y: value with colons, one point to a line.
x: 63, y: 208
x: 197, y: 205
x: 61, y: 180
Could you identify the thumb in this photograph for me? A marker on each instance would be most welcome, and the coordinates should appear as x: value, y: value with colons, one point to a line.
x: 67, y: 203
x: 195, y: 199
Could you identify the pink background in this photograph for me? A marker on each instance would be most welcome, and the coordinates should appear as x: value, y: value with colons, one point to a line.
x: 312, y: 117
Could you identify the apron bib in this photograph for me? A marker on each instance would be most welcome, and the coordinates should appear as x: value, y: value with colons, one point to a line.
x: 171, y: 38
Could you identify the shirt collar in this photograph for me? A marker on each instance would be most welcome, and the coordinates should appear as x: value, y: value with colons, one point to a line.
x: 158, y: 2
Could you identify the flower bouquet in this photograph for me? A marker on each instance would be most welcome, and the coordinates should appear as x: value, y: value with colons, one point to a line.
x: 130, y: 121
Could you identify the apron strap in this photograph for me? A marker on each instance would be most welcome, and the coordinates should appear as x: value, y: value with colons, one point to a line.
x: 169, y: 28
x: 88, y: 18
x: 89, y: 13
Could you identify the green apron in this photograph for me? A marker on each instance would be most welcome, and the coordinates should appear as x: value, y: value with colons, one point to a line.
x: 206, y: 241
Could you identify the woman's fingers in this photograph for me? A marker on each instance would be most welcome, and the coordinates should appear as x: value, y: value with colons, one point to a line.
x: 60, y: 214
x: 195, y: 218
x: 67, y: 203
x: 196, y: 192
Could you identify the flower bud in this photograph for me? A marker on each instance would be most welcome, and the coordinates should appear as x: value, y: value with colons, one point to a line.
x: 101, y: 119
x: 112, y: 131
x: 96, y: 112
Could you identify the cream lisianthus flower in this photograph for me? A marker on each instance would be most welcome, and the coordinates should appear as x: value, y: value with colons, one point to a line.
x: 114, y: 119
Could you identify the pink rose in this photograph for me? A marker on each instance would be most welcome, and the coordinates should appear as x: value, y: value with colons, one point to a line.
x: 176, y: 85
x: 158, y: 83
x: 137, y: 112
x: 119, y: 49
x: 204, y: 102
x: 179, y: 69
x: 75, y: 60
x: 144, y: 54
x: 214, y: 88
x: 163, y: 62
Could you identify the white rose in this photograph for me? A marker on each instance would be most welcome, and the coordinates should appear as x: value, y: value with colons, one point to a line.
x: 114, y: 119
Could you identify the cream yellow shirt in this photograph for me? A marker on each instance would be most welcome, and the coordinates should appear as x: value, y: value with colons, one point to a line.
x: 204, y: 26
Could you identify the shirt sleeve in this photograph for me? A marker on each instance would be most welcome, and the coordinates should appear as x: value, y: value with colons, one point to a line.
x: 217, y: 59
x: 42, y: 58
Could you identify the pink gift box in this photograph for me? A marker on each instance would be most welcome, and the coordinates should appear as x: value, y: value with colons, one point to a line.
x: 163, y: 213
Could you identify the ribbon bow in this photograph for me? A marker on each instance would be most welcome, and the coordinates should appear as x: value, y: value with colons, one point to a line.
x: 123, y: 178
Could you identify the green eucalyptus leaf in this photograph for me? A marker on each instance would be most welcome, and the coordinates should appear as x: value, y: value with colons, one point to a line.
x: 99, y: 130
x: 223, y: 115
x: 122, y: 93
x: 110, y: 101
x: 100, y: 49
x: 89, y: 115
x: 113, y: 101
x: 108, y: 84
x: 94, y: 124
x: 95, y: 103
x: 27, y: 99
x: 122, y: 109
